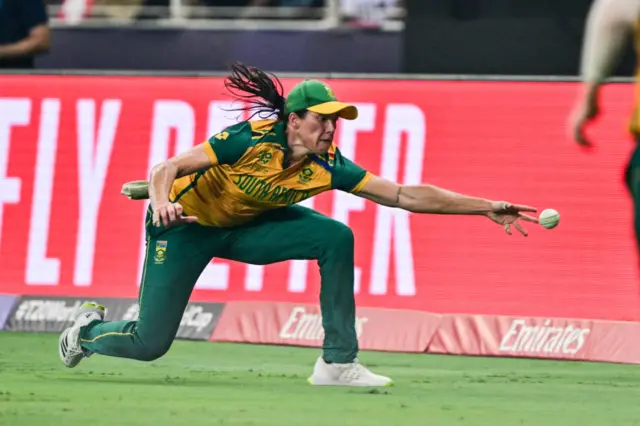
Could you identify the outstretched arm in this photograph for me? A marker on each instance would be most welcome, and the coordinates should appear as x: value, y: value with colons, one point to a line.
x: 422, y: 198
x: 431, y: 199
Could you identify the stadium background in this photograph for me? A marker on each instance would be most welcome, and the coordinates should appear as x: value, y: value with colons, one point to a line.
x: 471, y: 95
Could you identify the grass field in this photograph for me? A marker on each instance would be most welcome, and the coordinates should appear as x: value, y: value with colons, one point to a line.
x: 200, y: 383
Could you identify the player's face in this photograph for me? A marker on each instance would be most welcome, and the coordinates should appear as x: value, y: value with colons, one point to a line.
x: 316, y: 131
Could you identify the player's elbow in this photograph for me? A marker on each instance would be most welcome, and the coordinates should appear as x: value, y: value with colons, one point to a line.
x: 164, y: 169
x: 43, y: 43
x: 40, y: 40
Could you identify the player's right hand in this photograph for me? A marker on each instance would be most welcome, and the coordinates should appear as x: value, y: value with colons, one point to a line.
x: 584, y: 112
x: 170, y: 214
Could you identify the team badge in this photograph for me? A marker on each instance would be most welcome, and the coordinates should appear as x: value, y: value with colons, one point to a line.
x: 329, y: 92
x: 161, y: 252
x: 265, y: 157
x: 306, y: 175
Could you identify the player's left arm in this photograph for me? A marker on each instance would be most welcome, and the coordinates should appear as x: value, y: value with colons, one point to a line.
x: 350, y: 177
x: 431, y: 199
x: 428, y: 199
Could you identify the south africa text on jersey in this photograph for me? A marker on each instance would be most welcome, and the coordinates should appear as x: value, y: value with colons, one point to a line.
x: 261, y: 191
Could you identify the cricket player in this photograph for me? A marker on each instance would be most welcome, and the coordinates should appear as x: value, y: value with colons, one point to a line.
x: 609, y: 25
x: 234, y: 196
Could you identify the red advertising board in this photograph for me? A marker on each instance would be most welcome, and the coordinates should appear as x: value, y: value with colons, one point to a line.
x: 403, y: 330
x: 558, y: 338
x: 301, y: 325
x: 68, y: 143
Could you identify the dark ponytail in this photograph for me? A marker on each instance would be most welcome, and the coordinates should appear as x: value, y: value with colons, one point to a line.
x: 262, y: 91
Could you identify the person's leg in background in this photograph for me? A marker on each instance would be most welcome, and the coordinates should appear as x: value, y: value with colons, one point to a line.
x: 174, y: 260
x: 300, y: 233
x: 632, y: 178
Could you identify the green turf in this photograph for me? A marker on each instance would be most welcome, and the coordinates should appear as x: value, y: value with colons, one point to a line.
x: 223, y: 384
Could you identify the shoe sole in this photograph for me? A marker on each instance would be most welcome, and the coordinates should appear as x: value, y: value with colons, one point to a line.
x: 322, y: 383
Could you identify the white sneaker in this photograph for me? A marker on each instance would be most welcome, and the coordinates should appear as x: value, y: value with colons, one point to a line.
x: 352, y: 374
x: 69, y: 349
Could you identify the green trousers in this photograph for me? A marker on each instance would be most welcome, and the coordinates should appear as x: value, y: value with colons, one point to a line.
x: 176, y: 257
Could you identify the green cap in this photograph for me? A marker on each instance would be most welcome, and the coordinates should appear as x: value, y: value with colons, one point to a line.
x: 316, y: 96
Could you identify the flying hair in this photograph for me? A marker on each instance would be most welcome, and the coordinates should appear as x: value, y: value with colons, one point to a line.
x: 261, y: 91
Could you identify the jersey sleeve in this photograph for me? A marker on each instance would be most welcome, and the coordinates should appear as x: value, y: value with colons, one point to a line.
x: 230, y: 144
x: 34, y: 13
x: 348, y: 176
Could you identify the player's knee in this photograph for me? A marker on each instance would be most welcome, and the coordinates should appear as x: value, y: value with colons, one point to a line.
x: 153, y: 351
x: 337, y: 235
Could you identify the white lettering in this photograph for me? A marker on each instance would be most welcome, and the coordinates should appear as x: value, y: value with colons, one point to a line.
x: 254, y: 278
x: 394, y: 223
x: 13, y: 112
x: 299, y: 271
x: 195, y: 316
x: 131, y: 314
x: 40, y: 269
x: 505, y: 344
x: 547, y: 339
x: 45, y: 310
x: 216, y: 275
x: 345, y: 202
x: 93, y: 162
x: 302, y: 325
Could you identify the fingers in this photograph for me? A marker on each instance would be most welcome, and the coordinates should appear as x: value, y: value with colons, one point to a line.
x: 520, y: 229
x: 164, y: 217
x: 189, y: 219
x: 585, y: 112
x: 170, y: 215
x: 529, y: 218
x: 581, y: 139
x: 522, y: 208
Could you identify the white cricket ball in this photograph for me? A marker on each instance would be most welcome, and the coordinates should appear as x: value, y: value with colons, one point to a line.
x: 549, y: 218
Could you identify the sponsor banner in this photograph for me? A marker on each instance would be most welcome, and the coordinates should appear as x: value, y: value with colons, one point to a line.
x: 68, y: 143
x: 42, y: 314
x: 6, y: 305
x: 588, y: 340
x: 301, y: 325
x: 198, y: 320
x: 54, y: 314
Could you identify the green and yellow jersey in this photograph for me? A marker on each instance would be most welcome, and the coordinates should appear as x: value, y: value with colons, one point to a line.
x: 249, y: 177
